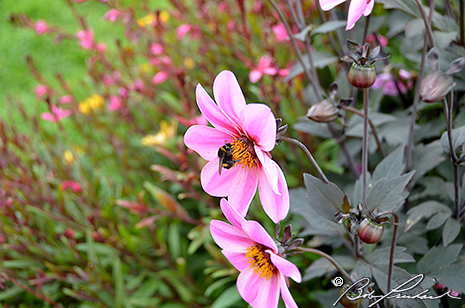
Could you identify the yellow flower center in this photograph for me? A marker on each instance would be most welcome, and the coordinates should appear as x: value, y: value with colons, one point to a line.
x: 260, y: 261
x: 243, y: 153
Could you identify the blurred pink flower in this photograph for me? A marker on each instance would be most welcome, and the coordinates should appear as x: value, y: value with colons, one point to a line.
x: 123, y: 92
x: 86, y: 38
x: 357, y: 8
x: 66, y: 99
x: 108, y: 80
x: 280, y: 32
x: 264, y: 67
x: 160, y: 77
x: 69, y: 233
x: 115, y: 103
x: 440, y: 286
x: 387, y: 81
x: 231, y: 25
x: 41, y: 90
x: 257, y: 5
x: 182, y: 30
x: 112, y: 15
x: 250, y: 130
x: 41, y: 27
x: 138, y: 86
x: 75, y: 187
x: 251, y: 250
x: 222, y: 7
x: 101, y: 47
x: 57, y: 114
x: 383, y: 41
x: 156, y: 49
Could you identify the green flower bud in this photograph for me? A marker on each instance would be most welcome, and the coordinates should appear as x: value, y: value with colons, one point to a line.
x: 362, y: 76
x: 370, y: 232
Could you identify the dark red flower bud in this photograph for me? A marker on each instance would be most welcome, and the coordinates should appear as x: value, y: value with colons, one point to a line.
x: 435, y: 86
x: 346, y: 302
x: 370, y: 232
x: 361, y: 76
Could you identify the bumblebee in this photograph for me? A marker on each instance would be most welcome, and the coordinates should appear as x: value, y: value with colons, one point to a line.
x: 225, y: 155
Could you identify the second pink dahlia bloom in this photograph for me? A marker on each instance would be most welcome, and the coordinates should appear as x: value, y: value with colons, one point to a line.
x: 250, y: 131
x: 253, y: 252
x: 357, y: 8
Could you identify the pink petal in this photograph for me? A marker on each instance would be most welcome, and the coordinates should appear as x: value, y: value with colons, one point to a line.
x: 214, y: 184
x: 228, y: 95
x: 270, y: 169
x: 231, y: 214
x: 255, y: 76
x: 229, y: 237
x: 206, y: 141
x: 212, y: 112
x: 356, y: 10
x: 270, y: 71
x: 286, y: 267
x: 160, y: 77
x: 259, y: 124
x: 243, y: 189
x: 269, y: 293
x: 280, y: 32
x: 327, y: 5
x: 368, y: 11
x: 265, y: 61
x: 287, y: 297
x: 275, y: 206
x: 249, y: 284
x: 237, y: 259
x: 48, y: 117
x: 257, y: 233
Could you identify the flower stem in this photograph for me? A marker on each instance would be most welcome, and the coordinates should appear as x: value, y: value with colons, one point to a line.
x: 309, y: 155
x: 393, y: 247
x: 28, y: 289
x: 462, y: 23
x: 372, y: 126
x: 289, y: 32
x: 330, y: 259
x: 426, y: 21
x: 365, y: 146
x: 416, y: 98
x: 365, y: 32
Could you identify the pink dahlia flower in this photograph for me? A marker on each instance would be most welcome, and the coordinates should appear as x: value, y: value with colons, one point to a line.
x: 253, y: 252
x: 249, y: 130
x: 112, y: 15
x: 387, y: 81
x: 57, y: 114
x: 115, y: 103
x: 264, y: 67
x: 280, y: 32
x: 357, y: 8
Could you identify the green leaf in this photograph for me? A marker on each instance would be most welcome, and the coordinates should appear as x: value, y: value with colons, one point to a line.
x: 381, y: 256
x: 391, y: 166
x: 320, y: 60
x: 174, y: 241
x: 452, y: 277
x: 424, y: 210
x: 438, y: 220
x: 10, y: 292
x: 426, y: 157
x: 451, y: 231
x: 322, y: 267
x: 144, y: 302
x: 218, y: 284
x: 324, y: 198
x: 408, y: 7
x: 438, y: 257
x: 228, y: 298
x: 301, y: 36
x: 387, y: 194
x: 458, y: 140
x: 119, y: 283
x: 329, y: 26
x: 307, y: 126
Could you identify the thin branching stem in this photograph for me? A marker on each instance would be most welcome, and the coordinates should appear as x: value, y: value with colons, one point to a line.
x: 462, y: 23
x: 289, y: 32
x: 365, y: 32
x: 309, y: 156
x: 393, y: 247
x: 365, y: 146
x: 372, y: 126
x: 28, y: 289
x: 330, y: 259
x: 426, y: 21
x: 300, y: 25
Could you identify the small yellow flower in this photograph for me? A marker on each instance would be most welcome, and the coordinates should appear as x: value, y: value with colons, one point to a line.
x: 167, y: 131
x: 146, y: 20
x: 164, y: 16
x: 145, y: 68
x: 189, y: 63
x: 68, y: 157
x: 91, y: 104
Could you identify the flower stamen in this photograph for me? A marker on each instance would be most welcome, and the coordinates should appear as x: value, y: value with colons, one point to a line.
x: 260, y: 261
x: 243, y: 153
